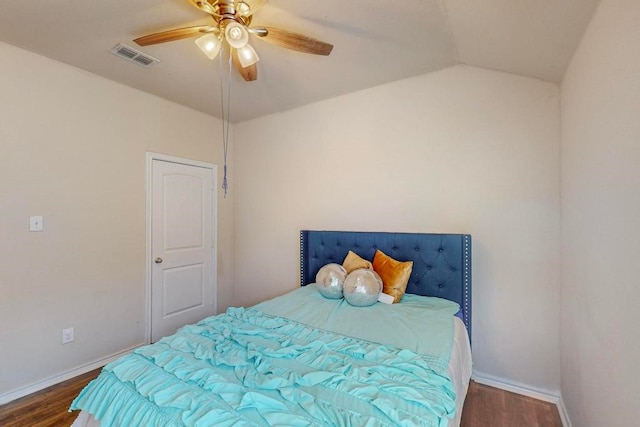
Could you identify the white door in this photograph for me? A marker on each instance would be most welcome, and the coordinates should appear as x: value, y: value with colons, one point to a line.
x: 182, y: 240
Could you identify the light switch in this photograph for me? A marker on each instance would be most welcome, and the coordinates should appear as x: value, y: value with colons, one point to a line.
x: 35, y: 223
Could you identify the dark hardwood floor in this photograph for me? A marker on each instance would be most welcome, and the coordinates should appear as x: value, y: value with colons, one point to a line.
x: 484, y: 407
x: 48, y: 407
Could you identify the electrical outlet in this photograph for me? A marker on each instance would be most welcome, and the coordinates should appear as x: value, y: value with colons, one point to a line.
x: 67, y: 336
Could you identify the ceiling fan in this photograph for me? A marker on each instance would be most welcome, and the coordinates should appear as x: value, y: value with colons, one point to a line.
x: 232, y: 20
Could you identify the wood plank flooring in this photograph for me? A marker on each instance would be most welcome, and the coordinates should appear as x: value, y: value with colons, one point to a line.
x: 484, y: 407
x: 48, y: 407
x: 492, y: 407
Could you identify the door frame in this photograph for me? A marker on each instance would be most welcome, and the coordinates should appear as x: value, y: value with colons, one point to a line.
x: 150, y: 158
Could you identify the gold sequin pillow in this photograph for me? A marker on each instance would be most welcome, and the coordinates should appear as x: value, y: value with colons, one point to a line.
x: 353, y: 261
x: 394, y: 274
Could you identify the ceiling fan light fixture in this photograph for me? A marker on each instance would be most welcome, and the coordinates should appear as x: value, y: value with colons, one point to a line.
x: 247, y: 56
x: 236, y: 35
x: 243, y: 9
x: 209, y: 44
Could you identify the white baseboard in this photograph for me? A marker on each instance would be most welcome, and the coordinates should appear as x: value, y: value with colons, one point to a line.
x: 544, y: 395
x: 64, y: 376
x: 564, y: 415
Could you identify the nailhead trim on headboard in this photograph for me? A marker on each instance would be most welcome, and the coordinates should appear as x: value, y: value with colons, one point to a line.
x: 467, y: 281
x: 302, y: 266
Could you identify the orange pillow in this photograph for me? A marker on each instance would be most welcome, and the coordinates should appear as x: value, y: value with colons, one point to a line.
x: 353, y: 261
x: 394, y: 274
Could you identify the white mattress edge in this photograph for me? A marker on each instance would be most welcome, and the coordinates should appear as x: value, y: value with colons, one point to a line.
x: 460, y: 367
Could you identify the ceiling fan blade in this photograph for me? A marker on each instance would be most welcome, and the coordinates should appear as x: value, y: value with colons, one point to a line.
x: 294, y: 41
x: 249, y: 73
x: 176, y: 34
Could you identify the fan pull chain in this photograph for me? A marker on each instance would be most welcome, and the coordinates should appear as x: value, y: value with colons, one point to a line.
x: 225, y: 120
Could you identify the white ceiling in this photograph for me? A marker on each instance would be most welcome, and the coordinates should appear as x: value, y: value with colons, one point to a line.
x: 376, y: 41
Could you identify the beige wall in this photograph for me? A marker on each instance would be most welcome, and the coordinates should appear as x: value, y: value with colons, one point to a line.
x: 72, y: 148
x: 459, y: 150
x: 601, y: 221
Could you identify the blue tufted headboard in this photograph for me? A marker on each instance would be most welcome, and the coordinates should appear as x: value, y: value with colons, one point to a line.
x: 441, y: 262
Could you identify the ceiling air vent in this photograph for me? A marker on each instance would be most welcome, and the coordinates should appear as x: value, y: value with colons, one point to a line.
x: 133, y: 55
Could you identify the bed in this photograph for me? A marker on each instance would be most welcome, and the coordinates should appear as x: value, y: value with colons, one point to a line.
x: 302, y: 359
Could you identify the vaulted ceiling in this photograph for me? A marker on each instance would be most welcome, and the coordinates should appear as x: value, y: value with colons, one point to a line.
x: 375, y: 42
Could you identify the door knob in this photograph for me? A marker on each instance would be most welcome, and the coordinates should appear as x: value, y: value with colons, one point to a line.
x: 158, y: 260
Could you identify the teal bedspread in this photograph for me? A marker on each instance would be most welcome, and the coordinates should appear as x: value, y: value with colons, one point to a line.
x: 421, y: 324
x: 247, y: 367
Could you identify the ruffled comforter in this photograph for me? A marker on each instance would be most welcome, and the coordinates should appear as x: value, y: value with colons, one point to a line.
x: 245, y: 367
